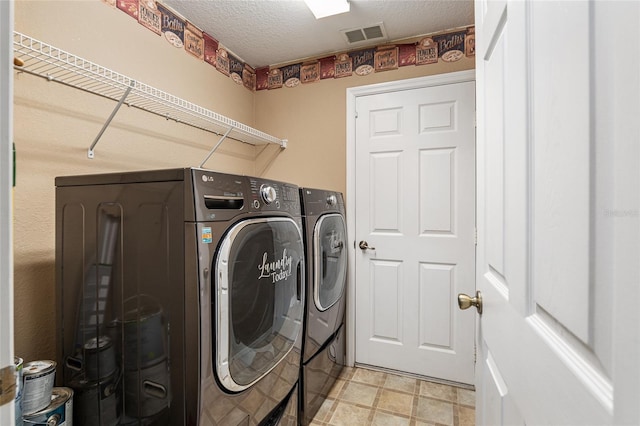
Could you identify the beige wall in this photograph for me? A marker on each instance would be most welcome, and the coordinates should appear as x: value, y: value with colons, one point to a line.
x: 54, y: 125
x: 313, y: 118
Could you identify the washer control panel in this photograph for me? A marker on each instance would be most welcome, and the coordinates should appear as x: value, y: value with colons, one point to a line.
x: 274, y: 196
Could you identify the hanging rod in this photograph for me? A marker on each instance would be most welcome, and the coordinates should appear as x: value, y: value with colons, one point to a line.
x: 43, y: 60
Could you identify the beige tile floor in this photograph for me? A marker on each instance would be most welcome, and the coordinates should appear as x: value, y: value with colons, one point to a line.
x: 367, y: 397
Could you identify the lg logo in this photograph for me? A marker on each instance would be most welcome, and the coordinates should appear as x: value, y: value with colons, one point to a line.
x: 206, y: 178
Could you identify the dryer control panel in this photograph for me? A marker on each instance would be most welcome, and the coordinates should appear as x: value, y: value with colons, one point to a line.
x: 316, y: 202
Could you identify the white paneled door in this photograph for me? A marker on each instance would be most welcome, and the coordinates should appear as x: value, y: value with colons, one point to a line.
x: 558, y: 221
x: 415, y: 229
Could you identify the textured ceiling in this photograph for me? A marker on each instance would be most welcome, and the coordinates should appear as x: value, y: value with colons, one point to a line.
x: 273, y: 32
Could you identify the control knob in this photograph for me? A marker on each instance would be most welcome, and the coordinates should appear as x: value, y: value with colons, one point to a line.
x: 332, y: 200
x: 268, y: 194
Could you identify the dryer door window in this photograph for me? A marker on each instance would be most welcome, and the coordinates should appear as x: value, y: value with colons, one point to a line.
x: 258, y: 302
x: 330, y: 260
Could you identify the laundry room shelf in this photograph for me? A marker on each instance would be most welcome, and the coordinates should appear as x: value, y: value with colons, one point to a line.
x: 41, y: 59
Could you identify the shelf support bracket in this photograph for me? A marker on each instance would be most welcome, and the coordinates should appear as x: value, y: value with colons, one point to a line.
x: 216, y: 147
x: 113, y: 114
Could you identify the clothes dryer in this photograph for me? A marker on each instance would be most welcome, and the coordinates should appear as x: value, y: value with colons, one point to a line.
x: 323, y: 345
x: 180, y: 297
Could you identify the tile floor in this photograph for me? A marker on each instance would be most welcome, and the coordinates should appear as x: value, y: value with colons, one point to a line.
x: 367, y: 397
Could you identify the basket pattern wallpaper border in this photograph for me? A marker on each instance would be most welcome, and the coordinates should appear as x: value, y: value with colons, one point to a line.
x: 448, y: 46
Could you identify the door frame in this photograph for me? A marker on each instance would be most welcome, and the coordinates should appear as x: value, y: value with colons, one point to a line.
x: 352, y: 94
x: 6, y: 202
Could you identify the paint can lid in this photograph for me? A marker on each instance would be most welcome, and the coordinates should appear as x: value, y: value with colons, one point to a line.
x: 38, y: 367
x: 99, y: 342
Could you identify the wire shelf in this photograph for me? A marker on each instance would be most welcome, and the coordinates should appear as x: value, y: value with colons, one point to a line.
x: 46, y: 61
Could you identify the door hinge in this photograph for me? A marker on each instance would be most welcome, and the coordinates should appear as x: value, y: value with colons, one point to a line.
x: 356, y: 114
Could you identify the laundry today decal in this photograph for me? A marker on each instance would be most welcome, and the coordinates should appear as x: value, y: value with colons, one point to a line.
x: 278, y: 269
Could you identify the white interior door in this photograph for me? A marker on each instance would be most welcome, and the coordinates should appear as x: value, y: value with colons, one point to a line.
x: 558, y: 221
x: 415, y: 208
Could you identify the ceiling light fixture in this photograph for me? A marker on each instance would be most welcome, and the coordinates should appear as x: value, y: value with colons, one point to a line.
x: 324, y: 8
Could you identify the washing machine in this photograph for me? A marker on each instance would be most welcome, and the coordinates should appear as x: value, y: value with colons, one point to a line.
x: 180, y: 298
x: 323, y: 346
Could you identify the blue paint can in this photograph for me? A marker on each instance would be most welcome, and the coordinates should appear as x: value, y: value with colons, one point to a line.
x: 58, y: 413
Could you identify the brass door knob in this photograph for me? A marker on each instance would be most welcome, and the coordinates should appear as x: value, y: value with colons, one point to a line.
x: 465, y: 302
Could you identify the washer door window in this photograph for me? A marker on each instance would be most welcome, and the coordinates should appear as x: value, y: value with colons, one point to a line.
x: 258, y: 304
x: 330, y: 260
